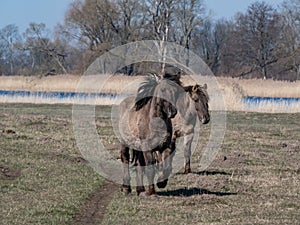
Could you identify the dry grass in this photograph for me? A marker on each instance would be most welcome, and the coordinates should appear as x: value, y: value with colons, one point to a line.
x: 255, y: 178
x: 269, y: 88
x: 65, y: 83
x: 226, y: 91
x: 119, y: 83
x: 53, y: 180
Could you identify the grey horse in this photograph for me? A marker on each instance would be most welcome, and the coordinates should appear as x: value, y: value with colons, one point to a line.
x: 191, y: 104
x: 145, y: 127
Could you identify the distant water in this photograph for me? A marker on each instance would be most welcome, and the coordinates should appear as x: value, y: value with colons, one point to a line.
x: 250, y: 103
x: 59, y: 97
x: 268, y: 104
x: 251, y: 100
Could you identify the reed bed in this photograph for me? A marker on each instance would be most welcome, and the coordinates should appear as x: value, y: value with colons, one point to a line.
x: 64, y: 83
x: 225, y: 93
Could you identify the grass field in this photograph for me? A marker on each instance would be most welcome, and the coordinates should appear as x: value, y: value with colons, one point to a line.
x: 255, y: 178
x: 43, y: 178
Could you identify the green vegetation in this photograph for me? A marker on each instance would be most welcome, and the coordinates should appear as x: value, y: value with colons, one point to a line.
x: 43, y: 178
x: 255, y: 178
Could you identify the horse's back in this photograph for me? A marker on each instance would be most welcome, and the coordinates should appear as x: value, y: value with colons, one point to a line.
x: 133, y: 124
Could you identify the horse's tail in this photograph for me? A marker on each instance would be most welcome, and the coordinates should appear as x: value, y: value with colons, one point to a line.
x: 134, y: 158
x: 138, y: 155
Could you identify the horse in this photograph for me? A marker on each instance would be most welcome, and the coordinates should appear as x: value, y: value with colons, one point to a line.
x: 145, y: 127
x: 190, y: 104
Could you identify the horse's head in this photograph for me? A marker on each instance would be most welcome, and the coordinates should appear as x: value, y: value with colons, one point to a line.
x: 200, y: 97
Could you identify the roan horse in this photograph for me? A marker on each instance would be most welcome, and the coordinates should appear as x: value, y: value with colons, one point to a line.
x: 191, y: 104
x: 145, y: 127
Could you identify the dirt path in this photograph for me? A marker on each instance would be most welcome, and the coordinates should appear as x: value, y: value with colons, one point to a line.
x: 94, y: 209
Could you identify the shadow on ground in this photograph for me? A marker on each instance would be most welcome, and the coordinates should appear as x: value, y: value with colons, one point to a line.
x: 212, y: 173
x: 187, y: 192
x: 208, y: 173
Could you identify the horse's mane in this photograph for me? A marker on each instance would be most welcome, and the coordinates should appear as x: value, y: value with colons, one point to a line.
x: 175, y: 79
x: 146, y: 90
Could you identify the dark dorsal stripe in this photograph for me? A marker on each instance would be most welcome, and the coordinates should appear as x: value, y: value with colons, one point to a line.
x: 145, y: 92
x: 147, y: 88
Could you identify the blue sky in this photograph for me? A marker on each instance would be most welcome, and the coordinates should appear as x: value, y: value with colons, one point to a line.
x: 22, y: 12
x: 228, y: 8
x: 51, y: 12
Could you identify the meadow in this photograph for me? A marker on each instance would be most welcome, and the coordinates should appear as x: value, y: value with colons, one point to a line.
x: 44, y: 179
x: 255, y: 178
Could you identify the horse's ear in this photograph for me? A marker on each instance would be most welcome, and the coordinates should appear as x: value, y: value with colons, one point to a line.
x: 178, y: 76
x: 204, y: 86
x: 196, y: 88
x: 157, y: 77
x: 160, y: 76
x: 154, y: 75
x: 188, y: 89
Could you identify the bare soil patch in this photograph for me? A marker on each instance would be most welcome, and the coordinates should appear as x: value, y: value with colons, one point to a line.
x: 7, y: 173
x: 94, y: 209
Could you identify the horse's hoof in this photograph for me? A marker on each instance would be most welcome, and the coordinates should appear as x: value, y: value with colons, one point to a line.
x: 147, y: 195
x: 162, y: 184
x: 126, y: 190
x: 143, y: 194
x: 187, y: 171
x: 154, y: 196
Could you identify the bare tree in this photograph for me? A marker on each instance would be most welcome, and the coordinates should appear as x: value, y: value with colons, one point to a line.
x: 291, y: 36
x: 221, y: 35
x: 210, y: 40
x: 101, y: 25
x: 92, y: 22
x: 189, y: 14
x: 44, y: 53
x: 256, y: 40
x: 132, y: 22
x: 204, y: 42
x: 161, y: 18
x: 132, y: 25
x: 9, y: 36
x: 95, y: 25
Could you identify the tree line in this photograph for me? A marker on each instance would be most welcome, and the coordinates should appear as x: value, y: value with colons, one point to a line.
x: 263, y: 42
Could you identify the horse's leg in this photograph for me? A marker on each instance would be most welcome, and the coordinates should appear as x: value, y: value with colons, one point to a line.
x: 140, y: 163
x: 126, y: 176
x: 167, y: 158
x: 188, y: 139
x: 150, y: 171
x: 173, y: 143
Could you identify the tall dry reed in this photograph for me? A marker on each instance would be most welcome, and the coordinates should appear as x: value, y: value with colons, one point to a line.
x: 229, y: 91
